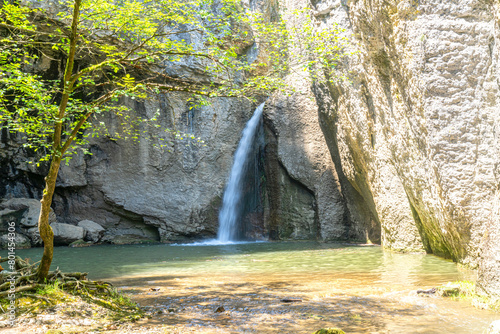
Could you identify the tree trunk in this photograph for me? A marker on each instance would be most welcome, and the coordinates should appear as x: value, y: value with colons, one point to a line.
x: 46, y: 232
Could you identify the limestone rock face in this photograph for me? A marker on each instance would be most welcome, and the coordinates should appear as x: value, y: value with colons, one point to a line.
x: 303, y: 154
x: 20, y: 241
x: 31, y: 210
x: 305, y: 159
x: 307, y: 200
x: 417, y: 127
x: 489, y: 259
x: 24, y: 213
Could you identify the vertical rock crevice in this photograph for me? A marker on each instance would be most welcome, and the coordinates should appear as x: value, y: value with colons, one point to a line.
x: 291, y: 210
x: 360, y: 215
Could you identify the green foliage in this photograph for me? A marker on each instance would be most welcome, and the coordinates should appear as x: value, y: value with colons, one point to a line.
x: 52, y: 289
x: 466, y: 290
x: 329, y: 331
x: 114, y: 50
x: 319, y: 51
x: 119, y: 49
x: 25, y: 100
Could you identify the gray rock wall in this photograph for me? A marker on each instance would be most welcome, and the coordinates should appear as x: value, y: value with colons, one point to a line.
x: 165, y: 193
x: 305, y: 158
x: 416, y: 129
x: 137, y: 188
x: 304, y: 184
x: 172, y: 193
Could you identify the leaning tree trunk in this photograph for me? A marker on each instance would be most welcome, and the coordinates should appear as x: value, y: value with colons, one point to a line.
x: 46, y: 232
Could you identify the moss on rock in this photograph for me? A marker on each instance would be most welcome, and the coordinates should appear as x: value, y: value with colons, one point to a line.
x: 329, y: 331
x: 466, y: 290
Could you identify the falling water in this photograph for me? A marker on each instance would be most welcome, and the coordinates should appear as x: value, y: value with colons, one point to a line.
x: 231, y: 201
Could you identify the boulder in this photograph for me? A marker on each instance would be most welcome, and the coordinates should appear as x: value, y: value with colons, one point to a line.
x: 25, y: 213
x: 31, y: 208
x: 64, y: 234
x: 20, y: 240
x: 6, y: 216
x: 93, y: 231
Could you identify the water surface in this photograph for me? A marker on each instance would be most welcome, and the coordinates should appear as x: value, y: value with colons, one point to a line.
x: 362, y: 289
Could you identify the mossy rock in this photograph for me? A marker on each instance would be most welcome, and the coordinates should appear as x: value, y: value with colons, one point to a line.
x: 54, y: 331
x: 329, y: 331
x: 79, y: 243
x: 450, y: 290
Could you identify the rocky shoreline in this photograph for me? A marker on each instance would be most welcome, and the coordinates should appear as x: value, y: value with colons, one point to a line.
x: 24, y: 212
x: 189, y: 314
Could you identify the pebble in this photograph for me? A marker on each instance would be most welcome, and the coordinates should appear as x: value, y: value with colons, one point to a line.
x: 220, y: 309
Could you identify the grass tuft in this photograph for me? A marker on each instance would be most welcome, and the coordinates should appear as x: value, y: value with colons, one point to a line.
x: 466, y: 290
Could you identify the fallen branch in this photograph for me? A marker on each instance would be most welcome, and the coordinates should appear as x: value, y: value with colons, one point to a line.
x: 31, y: 287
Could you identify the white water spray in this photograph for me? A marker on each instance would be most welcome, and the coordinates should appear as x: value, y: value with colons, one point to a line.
x: 231, y: 201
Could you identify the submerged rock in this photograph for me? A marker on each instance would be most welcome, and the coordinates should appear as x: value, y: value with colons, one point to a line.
x: 220, y: 309
x: 79, y: 243
x: 130, y: 239
x: 329, y: 331
x: 291, y: 300
x: 427, y: 292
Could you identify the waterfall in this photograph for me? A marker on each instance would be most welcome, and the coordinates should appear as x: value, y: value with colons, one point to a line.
x: 230, y: 212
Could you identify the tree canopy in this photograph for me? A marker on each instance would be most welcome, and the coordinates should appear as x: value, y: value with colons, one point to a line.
x: 122, y: 48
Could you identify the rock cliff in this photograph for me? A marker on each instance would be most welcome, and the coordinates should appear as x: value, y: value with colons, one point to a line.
x: 405, y: 153
x: 139, y: 189
x: 416, y: 127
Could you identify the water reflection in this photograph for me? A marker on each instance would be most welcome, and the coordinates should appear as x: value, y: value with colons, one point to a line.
x: 360, y: 289
x: 109, y: 261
